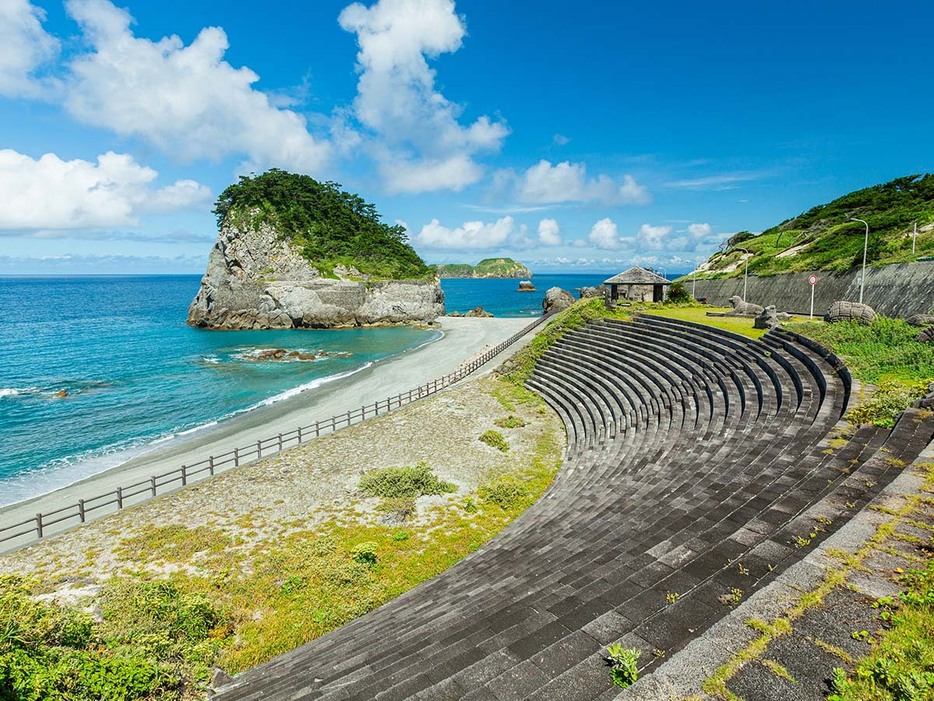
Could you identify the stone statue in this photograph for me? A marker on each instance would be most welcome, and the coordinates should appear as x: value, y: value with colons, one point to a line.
x: 920, y: 319
x: 850, y: 311
x: 741, y: 308
x: 770, y: 318
x: 927, y: 336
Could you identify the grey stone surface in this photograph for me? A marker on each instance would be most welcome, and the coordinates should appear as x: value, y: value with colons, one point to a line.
x: 557, y: 299
x: 256, y: 280
x: 898, y: 290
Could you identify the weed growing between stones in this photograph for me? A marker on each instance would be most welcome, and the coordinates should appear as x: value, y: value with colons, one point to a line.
x: 623, y: 664
x: 887, y: 402
x: 510, y: 421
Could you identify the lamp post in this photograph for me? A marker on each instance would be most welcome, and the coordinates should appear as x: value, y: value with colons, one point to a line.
x: 745, y: 272
x: 862, y: 277
x: 914, y: 239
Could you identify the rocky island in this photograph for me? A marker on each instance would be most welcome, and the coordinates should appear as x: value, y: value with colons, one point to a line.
x: 486, y: 268
x: 296, y: 253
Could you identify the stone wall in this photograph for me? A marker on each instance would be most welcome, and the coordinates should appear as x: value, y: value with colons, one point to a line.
x: 898, y: 290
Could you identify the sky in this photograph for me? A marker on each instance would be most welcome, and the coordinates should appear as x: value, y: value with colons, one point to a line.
x: 585, y: 136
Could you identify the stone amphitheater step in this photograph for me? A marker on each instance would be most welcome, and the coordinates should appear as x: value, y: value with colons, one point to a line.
x: 710, y: 459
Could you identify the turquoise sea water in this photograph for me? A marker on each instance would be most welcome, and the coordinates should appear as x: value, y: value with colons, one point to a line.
x: 136, y: 374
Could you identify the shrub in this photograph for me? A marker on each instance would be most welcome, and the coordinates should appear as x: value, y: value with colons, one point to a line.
x: 365, y: 553
x: 678, y: 294
x: 495, y: 439
x: 505, y: 493
x: 400, y: 482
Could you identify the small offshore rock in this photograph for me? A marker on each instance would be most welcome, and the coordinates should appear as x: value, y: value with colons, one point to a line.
x: 479, y: 312
x: 526, y: 286
x: 456, y: 314
x: 556, y: 300
x: 850, y: 311
x: 61, y: 394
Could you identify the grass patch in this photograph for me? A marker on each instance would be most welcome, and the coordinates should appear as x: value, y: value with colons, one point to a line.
x: 403, y: 482
x: 175, y: 542
x: 510, y: 421
x: 901, y: 664
x: 495, y: 439
x: 736, y: 324
x: 885, y: 349
x: 154, y: 640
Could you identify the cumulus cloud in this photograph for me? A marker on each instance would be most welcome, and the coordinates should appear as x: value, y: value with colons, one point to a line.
x: 653, y: 236
x: 699, y: 230
x: 186, y: 100
x: 568, y: 182
x: 471, y: 235
x: 604, y: 234
x: 549, y: 232
x: 49, y: 193
x: 24, y: 48
x: 422, y: 145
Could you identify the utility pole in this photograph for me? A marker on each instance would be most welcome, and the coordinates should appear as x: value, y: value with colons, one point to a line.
x: 914, y: 239
x: 862, y: 277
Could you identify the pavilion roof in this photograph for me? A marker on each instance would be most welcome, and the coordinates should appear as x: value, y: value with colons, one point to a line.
x: 637, y: 276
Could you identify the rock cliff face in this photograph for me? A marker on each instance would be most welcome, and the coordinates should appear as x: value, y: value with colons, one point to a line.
x: 255, y: 280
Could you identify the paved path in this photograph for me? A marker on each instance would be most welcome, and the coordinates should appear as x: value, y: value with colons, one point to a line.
x: 698, y: 466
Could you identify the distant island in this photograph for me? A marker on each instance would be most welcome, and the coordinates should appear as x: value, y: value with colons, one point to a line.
x: 293, y: 252
x: 486, y: 268
x: 828, y: 238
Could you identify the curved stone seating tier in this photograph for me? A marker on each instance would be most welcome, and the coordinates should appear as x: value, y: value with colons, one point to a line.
x: 691, y: 451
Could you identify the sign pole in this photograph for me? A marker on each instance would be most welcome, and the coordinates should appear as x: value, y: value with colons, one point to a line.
x: 812, y: 281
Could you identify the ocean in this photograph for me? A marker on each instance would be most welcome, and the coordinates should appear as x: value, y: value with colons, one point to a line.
x: 135, y: 375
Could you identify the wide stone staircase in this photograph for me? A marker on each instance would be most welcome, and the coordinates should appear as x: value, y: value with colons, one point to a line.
x: 699, y: 467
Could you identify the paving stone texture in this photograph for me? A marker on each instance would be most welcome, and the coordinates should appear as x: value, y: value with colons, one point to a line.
x: 699, y: 468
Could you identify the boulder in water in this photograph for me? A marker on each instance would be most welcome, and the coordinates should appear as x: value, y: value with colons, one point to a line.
x: 526, y: 286
x: 556, y: 300
x: 479, y: 312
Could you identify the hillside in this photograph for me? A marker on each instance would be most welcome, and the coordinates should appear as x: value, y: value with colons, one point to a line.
x: 326, y: 225
x: 486, y: 268
x: 825, y: 237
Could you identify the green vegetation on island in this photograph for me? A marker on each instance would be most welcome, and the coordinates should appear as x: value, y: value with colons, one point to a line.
x: 827, y: 238
x: 486, y: 268
x: 330, y: 227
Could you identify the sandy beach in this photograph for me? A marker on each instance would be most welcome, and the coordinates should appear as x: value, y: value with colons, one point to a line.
x: 463, y: 339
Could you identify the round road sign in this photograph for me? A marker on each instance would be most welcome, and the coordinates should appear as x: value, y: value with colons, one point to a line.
x: 812, y: 279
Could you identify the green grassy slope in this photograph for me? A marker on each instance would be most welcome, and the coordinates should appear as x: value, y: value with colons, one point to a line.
x: 826, y: 238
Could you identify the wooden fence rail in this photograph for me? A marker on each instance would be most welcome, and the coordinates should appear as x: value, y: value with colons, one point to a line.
x: 83, y: 509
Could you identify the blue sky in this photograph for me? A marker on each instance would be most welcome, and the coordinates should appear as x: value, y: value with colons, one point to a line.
x: 571, y: 136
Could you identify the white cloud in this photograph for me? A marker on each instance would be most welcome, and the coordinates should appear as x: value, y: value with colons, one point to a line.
x: 568, y: 182
x: 186, y: 100
x: 561, y: 139
x: 549, y: 232
x: 472, y: 235
x: 24, y: 47
x: 420, y: 144
x: 718, y: 183
x: 654, y: 236
x: 604, y: 234
x: 49, y: 193
x: 699, y: 230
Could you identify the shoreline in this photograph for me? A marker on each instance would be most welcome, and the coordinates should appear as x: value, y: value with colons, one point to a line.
x: 461, y: 340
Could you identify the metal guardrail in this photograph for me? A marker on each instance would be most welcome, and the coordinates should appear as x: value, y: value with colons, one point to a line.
x: 138, y: 492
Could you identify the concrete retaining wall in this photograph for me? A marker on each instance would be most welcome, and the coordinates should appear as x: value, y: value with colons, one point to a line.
x: 898, y: 290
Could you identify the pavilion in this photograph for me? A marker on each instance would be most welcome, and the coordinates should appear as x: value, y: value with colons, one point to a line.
x: 637, y: 285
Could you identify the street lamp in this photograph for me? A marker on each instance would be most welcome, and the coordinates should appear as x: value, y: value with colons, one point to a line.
x: 746, y: 271
x: 862, y: 277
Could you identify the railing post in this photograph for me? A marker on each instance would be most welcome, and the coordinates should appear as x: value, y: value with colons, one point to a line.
x: 152, y: 485
x: 236, y: 457
x: 119, y: 498
x: 348, y: 418
x: 81, y: 513
x: 39, y: 525
x: 317, y: 429
x: 211, y: 465
x: 184, y: 475
x: 299, y: 435
x: 280, y: 442
x: 259, y: 449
